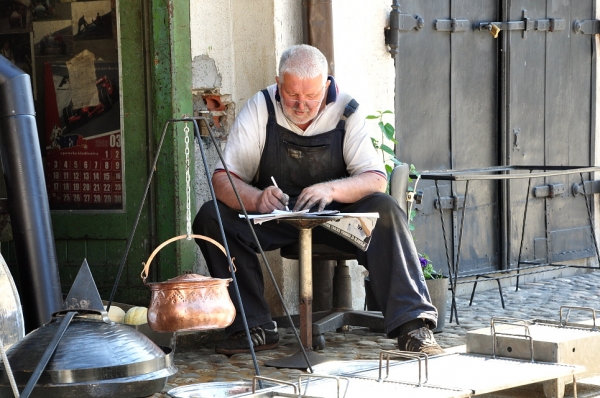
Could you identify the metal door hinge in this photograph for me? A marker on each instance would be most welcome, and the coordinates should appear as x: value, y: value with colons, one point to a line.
x: 450, y: 202
x: 451, y: 25
x: 591, y: 187
x: 400, y: 23
x: 550, y: 190
x: 525, y: 24
x: 587, y: 27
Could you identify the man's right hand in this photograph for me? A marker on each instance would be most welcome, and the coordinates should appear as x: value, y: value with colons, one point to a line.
x: 253, y: 198
x: 272, y: 198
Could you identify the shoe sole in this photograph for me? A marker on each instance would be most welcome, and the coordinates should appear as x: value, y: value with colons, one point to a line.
x: 246, y: 350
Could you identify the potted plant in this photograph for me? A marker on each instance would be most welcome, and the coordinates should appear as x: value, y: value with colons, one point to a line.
x: 437, y: 285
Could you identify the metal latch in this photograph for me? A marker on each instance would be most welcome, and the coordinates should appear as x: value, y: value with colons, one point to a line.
x: 525, y: 24
x: 587, y: 27
x: 550, y: 190
x: 591, y: 187
x: 450, y: 202
x: 451, y: 25
x: 400, y: 23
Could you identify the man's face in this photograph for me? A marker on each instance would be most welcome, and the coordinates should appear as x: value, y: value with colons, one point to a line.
x: 301, y: 98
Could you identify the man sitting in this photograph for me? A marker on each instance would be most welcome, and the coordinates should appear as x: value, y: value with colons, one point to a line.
x: 313, y: 140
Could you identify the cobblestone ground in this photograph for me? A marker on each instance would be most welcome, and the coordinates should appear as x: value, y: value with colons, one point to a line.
x: 538, y: 300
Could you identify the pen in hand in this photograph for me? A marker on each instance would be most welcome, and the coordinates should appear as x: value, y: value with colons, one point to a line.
x: 274, y: 183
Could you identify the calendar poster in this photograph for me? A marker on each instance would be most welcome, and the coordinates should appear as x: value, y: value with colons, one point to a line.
x: 84, y: 162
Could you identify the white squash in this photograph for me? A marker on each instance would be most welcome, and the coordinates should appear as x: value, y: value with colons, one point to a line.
x: 136, y: 316
x: 116, y: 314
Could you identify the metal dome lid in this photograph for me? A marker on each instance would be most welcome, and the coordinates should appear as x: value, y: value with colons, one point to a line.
x: 90, y: 350
x: 12, y: 324
x: 94, y: 357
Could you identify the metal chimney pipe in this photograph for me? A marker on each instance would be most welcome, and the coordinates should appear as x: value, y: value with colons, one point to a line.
x: 27, y: 198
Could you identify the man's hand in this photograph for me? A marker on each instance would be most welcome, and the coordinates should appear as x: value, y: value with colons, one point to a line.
x: 270, y: 199
x: 316, y: 195
x: 344, y: 190
x: 253, y: 198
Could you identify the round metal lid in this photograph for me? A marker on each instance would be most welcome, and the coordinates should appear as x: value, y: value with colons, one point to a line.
x: 12, y: 324
x: 90, y: 350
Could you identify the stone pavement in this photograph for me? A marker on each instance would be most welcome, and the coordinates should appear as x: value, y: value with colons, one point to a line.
x: 535, y: 300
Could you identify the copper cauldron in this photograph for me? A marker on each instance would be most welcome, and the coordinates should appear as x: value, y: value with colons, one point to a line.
x: 189, y: 301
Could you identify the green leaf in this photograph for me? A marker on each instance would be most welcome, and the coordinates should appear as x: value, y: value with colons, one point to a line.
x: 396, y: 161
x: 387, y: 150
x: 372, y: 117
x: 389, y: 131
x: 388, y: 112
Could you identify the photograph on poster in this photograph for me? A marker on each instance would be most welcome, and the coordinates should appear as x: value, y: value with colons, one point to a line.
x: 16, y: 48
x: 15, y: 16
x: 53, y: 38
x: 50, y: 9
x: 91, y: 20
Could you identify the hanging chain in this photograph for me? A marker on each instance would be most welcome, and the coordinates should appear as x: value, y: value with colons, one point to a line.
x: 188, y: 213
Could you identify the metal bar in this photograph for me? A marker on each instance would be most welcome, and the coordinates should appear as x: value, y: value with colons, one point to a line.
x: 522, y: 234
x: 590, y: 218
x: 474, y: 174
x: 8, y: 369
x: 451, y: 275
x: 222, y: 230
x: 262, y: 253
x: 460, y: 235
x: 37, y: 372
x: 306, y: 293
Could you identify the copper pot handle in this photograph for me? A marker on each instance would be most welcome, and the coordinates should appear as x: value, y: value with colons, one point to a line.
x: 146, y: 265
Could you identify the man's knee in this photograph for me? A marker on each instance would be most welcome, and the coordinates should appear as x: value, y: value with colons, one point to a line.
x: 206, y: 215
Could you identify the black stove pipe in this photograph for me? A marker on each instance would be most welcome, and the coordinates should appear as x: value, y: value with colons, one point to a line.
x: 29, y: 210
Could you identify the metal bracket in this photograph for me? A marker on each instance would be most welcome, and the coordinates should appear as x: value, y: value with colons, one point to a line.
x: 550, y: 190
x: 587, y: 27
x: 400, y: 23
x: 525, y: 24
x: 450, y: 202
x: 416, y: 197
x: 451, y: 25
x: 591, y: 187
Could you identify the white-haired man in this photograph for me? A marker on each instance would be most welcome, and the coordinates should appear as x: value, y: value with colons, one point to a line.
x: 313, y: 140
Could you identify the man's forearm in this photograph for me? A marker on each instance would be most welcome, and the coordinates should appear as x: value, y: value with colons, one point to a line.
x: 352, y: 189
x: 225, y: 193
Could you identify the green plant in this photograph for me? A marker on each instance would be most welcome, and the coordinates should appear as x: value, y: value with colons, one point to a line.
x: 427, y: 267
x: 388, y: 133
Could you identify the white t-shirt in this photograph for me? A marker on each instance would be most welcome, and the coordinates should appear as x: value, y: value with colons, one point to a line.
x: 247, y: 136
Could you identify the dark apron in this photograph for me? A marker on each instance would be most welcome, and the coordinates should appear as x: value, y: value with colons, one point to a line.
x: 296, y: 161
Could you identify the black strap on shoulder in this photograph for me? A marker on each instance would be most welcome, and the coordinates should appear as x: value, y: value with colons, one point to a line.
x: 270, y: 106
x: 350, y: 108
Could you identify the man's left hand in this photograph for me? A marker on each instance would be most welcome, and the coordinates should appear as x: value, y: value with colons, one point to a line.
x: 316, y: 195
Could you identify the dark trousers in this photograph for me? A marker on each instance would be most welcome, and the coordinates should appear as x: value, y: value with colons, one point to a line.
x: 392, y: 260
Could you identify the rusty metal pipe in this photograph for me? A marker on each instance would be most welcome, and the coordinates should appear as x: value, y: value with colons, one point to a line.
x: 306, y: 286
x: 27, y: 198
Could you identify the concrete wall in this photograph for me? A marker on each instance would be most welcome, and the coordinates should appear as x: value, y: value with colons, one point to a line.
x: 236, y: 47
